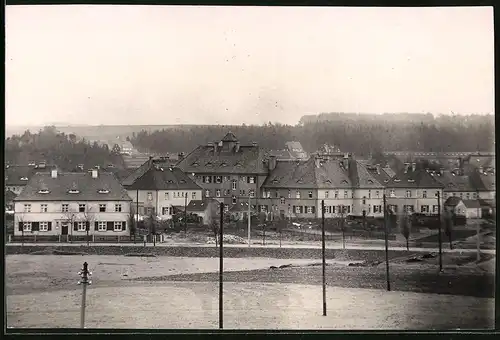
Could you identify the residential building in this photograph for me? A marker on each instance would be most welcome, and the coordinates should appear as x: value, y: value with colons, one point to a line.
x: 414, y: 190
x: 68, y: 203
x: 456, y: 184
x: 203, y: 209
x: 157, y: 187
x: 296, y: 150
x: 456, y: 205
x: 484, y: 184
x: 226, y: 170
x: 17, y: 176
x: 9, y: 201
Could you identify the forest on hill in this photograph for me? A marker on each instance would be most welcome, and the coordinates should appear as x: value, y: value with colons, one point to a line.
x: 361, y: 134
x: 56, y: 148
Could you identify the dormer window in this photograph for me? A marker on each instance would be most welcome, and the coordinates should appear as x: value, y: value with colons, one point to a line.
x: 397, y: 180
x: 43, y: 191
x: 275, y: 181
x: 370, y: 181
x: 73, y: 191
x: 24, y: 178
x: 103, y: 191
x: 344, y: 181
x: 195, y: 164
x: 170, y: 181
x: 411, y: 180
x: 328, y: 181
x: 237, y: 164
x: 223, y: 164
x: 182, y: 181
x: 209, y: 164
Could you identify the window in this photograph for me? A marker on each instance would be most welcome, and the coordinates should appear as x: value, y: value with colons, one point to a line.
x: 336, y: 194
x: 297, y: 209
x: 117, y: 226
x: 435, y: 209
x: 436, y: 194
x: 27, y: 208
x: 226, y: 178
x: 377, y: 194
x: 27, y: 226
x: 364, y: 199
x: 217, y: 193
x: 276, y: 195
x: 297, y: 194
x: 150, y: 196
x: 164, y: 211
x: 309, y: 210
x: 234, y: 199
x: 345, y: 194
x: 424, y: 194
x: 474, y: 195
x: 43, y: 226
x: 468, y: 196
x: 408, y: 208
x: 268, y: 194
x: 167, y: 196
x: 408, y: 193
x: 207, y: 179
x: 327, y: 193
x: 424, y: 209
x: 282, y: 200
x: 226, y: 208
x: 251, y: 180
x: 81, y: 207
x: 263, y: 208
x: 369, y: 194
x: 182, y: 194
x: 65, y: 207
x: 289, y: 194
x: 102, y: 207
x: 233, y: 184
x: 393, y: 208
x: 81, y: 226
x: 118, y: 208
x: 310, y: 194
x: 461, y: 195
x: 218, y: 179
x: 101, y: 226
x: 252, y: 193
x: 207, y: 193
x: 193, y: 195
x: 377, y: 209
x: 43, y: 207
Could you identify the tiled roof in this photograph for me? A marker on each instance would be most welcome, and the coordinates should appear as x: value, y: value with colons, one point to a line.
x: 472, y: 203
x: 247, y: 160
x: 481, y: 161
x: 452, y: 201
x: 296, y: 150
x: 329, y: 174
x: 280, y: 154
x: 9, y: 196
x: 453, y: 182
x: 200, y: 205
x: 482, y: 182
x: 88, y: 188
x: 15, y: 174
x: 130, y: 179
x: 292, y: 174
x: 157, y: 177
x: 413, y: 179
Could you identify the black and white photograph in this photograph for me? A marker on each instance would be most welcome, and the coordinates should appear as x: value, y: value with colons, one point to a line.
x: 249, y: 168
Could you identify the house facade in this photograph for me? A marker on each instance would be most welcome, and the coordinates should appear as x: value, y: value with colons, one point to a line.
x: 157, y: 187
x: 70, y: 203
x: 226, y: 170
x: 414, y: 190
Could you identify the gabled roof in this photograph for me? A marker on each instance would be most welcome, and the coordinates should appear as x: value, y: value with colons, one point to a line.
x: 200, y: 205
x: 228, y: 159
x: 9, y: 196
x: 482, y: 182
x: 332, y: 175
x: 452, y: 201
x: 472, y: 203
x: 453, y: 182
x: 18, y: 175
x: 88, y: 188
x: 292, y: 174
x: 413, y: 179
x: 157, y: 177
x: 364, y: 177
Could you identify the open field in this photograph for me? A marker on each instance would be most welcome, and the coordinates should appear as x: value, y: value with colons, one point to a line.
x: 248, y: 306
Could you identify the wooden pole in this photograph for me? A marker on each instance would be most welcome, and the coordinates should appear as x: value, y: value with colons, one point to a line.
x: 478, y: 255
x: 84, y: 273
x: 249, y: 219
x: 137, y: 213
x: 386, y: 246
x: 185, y: 214
x: 221, y: 266
x: 323, y: 253
x: 439, y: 235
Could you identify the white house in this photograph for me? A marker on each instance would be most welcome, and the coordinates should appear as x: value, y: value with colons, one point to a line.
x: 157, y: 187
x: 68, y: 203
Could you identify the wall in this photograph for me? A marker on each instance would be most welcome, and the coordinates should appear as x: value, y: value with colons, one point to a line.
x: 416, y: 199
x: 304, y: 200
x: 55, y: 215
x: 162, y: 201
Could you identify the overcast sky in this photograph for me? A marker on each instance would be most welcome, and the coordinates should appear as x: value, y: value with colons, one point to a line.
x: 207, y: 65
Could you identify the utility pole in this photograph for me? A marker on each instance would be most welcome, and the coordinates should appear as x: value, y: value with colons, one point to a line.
x: 478, y: 229
x: 323, y: 253
x: 185, y: 214
x: 84, y: 274
x: 221, y: 266
x: 386, y: 246
x: 439, y: 235
x: 249, y: 218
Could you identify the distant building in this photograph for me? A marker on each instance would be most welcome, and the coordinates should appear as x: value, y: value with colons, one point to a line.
x: 68, y: 203
x: 17, y: 176
x: 296, y: 150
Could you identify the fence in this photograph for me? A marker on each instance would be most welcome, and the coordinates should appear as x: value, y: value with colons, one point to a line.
x: 73, y: 239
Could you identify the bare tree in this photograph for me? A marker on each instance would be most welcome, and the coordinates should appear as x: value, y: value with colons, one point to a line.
x: 20, y: 221
x: 449, y: 221
x: 132, y: 221
x: 213, y: 220
x: 342, y: 223
x: 405, y: 227
x: 262, y: 221
x: 88, y: 218
x: 70, y: 218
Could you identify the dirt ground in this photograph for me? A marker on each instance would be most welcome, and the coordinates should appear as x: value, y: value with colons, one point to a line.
x: 248, y: 306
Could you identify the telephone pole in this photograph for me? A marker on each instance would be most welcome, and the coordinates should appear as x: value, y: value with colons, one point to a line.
x: 439, y: 235
x: 249, y: 218
x: 323, y: 253
x: 386, y: 246
x: 84, y: 274
x: 221, y: 266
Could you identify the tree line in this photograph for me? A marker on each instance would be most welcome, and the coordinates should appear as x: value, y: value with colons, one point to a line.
x: 362, y: 134
x: 55, y: 148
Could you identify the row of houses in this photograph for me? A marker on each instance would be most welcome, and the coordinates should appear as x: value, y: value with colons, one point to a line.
x: 243, y: 177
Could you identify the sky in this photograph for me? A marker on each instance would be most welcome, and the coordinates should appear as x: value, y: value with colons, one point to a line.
x: 162, y: 65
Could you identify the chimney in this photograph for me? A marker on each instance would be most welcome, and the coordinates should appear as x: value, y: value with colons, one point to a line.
x: 413, y: 167
x: 441, y: 170
x: 53, y: 173
x: 345, y: 161
x: 95, y: 173
x: 180, y: 156
x: 378, y: 168
x: 237, y: 147
x: 272, y: 162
